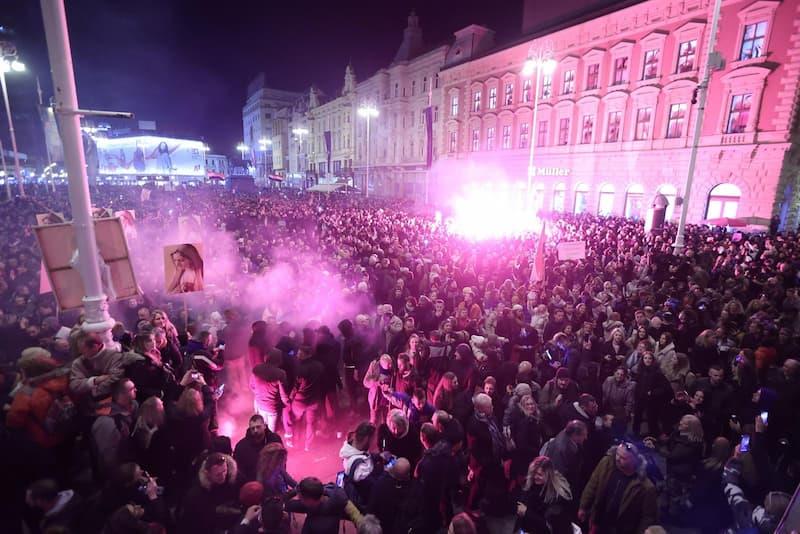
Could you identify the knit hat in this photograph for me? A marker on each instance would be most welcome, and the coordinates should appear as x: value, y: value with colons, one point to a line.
x: 251, y: 494
x: 522, y: 389
x: 562, y: 372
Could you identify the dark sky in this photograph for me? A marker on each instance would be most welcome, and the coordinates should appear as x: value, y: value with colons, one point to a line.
x: 186, y: 63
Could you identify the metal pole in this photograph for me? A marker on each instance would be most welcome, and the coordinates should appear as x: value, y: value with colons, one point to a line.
x: 96, y: 318
x: 366, y: 180
x: 5, y: 171
x: 17, y: 170
x: 531, y: 170
x: 702, y: 93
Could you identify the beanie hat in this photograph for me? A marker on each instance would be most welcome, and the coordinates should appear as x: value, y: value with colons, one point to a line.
x: 562, y: 372
x: 251, y: 494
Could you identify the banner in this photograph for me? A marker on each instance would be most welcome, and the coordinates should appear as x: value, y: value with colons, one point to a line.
x: 150, y: 156
x: 571, y: 250
x: 53, y: 217
x: 183, y: 268
x: 537, y: 272
x: 327, y: 136
x: 428, y: 136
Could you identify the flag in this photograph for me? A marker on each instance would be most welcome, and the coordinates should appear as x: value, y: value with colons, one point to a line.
x: 327, y: 136
x: 44, y: 281
x: 537, y: 272
x: 428, y: 136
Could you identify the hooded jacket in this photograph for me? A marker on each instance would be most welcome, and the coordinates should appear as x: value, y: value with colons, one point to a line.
x: 32, y: 403
x: 638, y: 508
x: 204, y: 506
x: 349, y: 455
x: 84, y: 372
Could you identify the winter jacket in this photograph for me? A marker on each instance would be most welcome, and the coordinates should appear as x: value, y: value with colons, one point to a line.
x: 32, y: 403
x: 683, y: 457
x: 246, y: 453
x: 638, y: 507
x: 618, y: 397
x: 111, y: 438
x: 372, y: 383
x: 268, y: 384
x: 349, y: 455
x: 325, y: 519
x: 83, y: 373
x: 439, y: 472
x: 208, y: 507
x: 567, y: 457
x: 308, y: 389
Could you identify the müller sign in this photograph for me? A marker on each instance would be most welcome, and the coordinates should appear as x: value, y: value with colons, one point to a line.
x: 551, y: 171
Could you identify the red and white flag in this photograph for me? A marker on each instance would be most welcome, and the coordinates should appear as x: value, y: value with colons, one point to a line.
x: 537, y: 272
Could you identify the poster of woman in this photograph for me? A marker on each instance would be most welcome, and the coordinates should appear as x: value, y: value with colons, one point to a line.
x: 183, y: 268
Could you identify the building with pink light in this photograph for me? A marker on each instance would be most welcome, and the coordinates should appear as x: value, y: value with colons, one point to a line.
x: 616, y: 116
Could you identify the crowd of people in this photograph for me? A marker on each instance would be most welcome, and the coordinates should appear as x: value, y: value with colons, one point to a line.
x: 632, y: 391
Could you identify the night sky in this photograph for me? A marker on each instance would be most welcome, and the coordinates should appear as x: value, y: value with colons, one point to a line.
x: 186, y: 63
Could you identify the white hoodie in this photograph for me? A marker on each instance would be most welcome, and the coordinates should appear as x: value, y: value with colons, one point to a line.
x: 350, y: 454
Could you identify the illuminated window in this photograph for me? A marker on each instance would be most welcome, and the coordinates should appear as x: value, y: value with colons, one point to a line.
x: 677, y: 115
x: 547, y: 85
x: 559, y: 194
x: 643, y: 121
x: 476, y: 140
x: 563, y: 131
x: 492, y: 97
x: 753, y: 40
x: 581, y: 198
x: 587, y: 126
x: 526, y: 91
x: 686, y: 56
x: 670, y: 193
x: 508, y: 98
x: 523, y: 134
x: 452, y: 144
x: 620, y: 70
x: 634, y: 202
x: 568, y: 87
x: 650, y: 64
x: 454, y: 105
x: 605, y: 206
x: 739, y: 113
x: 592, y: 76
x: 541, y: 134
x: 506, y: 137
x: 723, y: 201
x: 490, y: 138
x: 476, y: 101
x: 614, y: 121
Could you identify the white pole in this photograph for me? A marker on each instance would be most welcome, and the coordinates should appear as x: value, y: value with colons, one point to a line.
x: 96, y: 318
x: 5, y: 171
x: 531, y: 170
x: 17, y: 170
x: 702, y: 93
x: 366, y: 183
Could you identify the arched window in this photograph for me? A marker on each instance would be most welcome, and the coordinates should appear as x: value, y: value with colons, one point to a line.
x: 670, y: 193
x: 723, y: 201
x: 634, y: 202
x: 605, y: 206
x: 581, y: 198
x: 538, y: 198
x: 559, y: 194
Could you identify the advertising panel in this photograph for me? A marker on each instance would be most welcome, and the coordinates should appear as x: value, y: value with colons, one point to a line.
x: 150, y: 156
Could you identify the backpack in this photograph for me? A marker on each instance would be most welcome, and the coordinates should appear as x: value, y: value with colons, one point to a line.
x: 61, y: 416
x: 357, y: 491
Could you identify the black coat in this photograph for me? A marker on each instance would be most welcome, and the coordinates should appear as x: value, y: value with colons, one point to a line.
x: 541, y: 517
x: 386, y: 498
x: 246, y: 454
x: 527, y: 438
x: 438, y: 471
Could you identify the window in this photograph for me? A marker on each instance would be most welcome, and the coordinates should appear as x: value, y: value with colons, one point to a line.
x: 490, y: 138
x: 476, y: 140
x: 413, y: 87
x: 452, y: 144
x: 436, y: 81
x: 547, y: 85
x: 435, y: 113
x: 686, y: 56
x: 581, y: 201
x: 424, y: 84
x: 739, y: 113
x: 397, y: 89
x: 568, y: 87
x: 454, y: 105
x: 523, y: 134
x: 677, y: 114
x: 476, y: 101
x: 563, y: 131
x: 753, y: 40
x: 492, y: 97
x: 506, y: 137
x: 670, y: 193
x: 592, y: 76
x: 620, y: 70
x: 634, y: 202
x: 650, y: 70
x: 614, y: 120
x: 643, y: 120
x: 586, y: 129
x: 541, y: 134
x: 508, y: 98
x: 559, y: 195
x: 605, y: 206
x: 723, y: 201
x: 526, y: 91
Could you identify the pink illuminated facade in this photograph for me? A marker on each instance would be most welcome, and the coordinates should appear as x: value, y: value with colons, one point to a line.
x: 615, y: 119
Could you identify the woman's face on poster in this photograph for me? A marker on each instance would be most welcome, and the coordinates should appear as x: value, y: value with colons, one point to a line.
x: 181, y: 262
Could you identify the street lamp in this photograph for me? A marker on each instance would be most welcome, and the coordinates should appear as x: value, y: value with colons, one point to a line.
x: 367, y: 111
x: 299, y: 133
x: 8, y: 63
x: 537, y: 63
x: 241, y: 147
x: 263, y: 143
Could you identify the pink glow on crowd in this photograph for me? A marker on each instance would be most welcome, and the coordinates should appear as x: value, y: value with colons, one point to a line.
x: 493, y: 211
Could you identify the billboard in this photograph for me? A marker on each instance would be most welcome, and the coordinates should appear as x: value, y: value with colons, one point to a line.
x: 150, y: 156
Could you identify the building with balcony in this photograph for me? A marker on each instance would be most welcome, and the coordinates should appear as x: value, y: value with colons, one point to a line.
x: 616, y: 116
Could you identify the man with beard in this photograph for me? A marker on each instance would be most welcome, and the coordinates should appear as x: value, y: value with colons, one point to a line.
x: 247, y: 450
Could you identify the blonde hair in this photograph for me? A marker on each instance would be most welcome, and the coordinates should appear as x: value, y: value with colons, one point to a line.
x: 190, y: 402
x: 555, y: 485
x: 695, y: 430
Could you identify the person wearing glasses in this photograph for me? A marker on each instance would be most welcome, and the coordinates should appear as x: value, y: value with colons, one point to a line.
x: 619, y: 498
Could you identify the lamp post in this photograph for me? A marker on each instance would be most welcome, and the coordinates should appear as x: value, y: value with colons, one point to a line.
x: 536, y: 64
x: 9, y: 63
x: 5, y: 171
x: 368, y: 112
x: 241, y: 147
x: 263, y: 143
x: 299, y: 133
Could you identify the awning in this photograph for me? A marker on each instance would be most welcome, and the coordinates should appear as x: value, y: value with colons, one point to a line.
x: 330, y: 188
x: 275, y: 178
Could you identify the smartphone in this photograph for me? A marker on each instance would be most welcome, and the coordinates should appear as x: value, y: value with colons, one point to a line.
x: 764, y: 417
x: 340, y: 479
x: 391, y: 463
x: 745, y: 445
